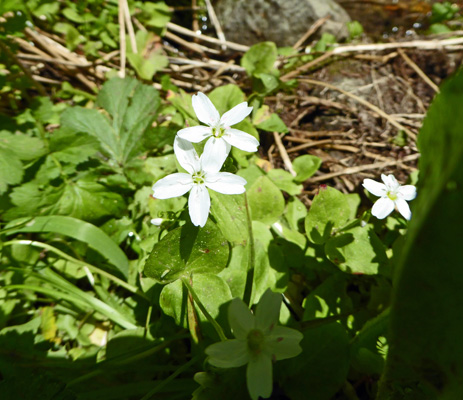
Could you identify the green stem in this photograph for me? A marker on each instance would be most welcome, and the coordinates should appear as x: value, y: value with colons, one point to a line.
x: 208, y: 316
x: 97, y: 270
x: 251, y: 258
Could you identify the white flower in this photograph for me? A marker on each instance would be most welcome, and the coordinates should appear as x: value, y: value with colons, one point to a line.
x: 392, y: 195
x: 259, y: 342
x: 202, y: 173
x: 218, y: 129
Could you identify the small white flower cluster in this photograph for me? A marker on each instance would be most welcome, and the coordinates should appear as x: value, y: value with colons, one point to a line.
x: 203, y: 172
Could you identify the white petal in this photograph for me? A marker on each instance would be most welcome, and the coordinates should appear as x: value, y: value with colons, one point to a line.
x: 199, y: 204
x: 235, y: 115
x: 186, y: 155
x: 259, y: 377
x: 407, y: 192
x: 240, y: 318
x: 376, y: 188
x: 214, y: 154
x: 228, y: 354
x: 226, y: 183
x: 383, y: 207
x: 173, y: 185
x: 403, y: 208
x: 283, y: 343
x: 205, y: 110
x: 241, y: 140
x: 390, y: 182
x: 195, y: 134
x: 268, y: 311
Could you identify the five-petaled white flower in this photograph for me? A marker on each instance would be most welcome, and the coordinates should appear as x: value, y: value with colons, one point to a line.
x: 218, y: 129
x: 203, y: 173
x: 392, y: 195
x: 259, y: 342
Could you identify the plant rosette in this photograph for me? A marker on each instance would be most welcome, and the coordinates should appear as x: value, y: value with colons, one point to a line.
x: 218, y: 130
x: 392, y: 195
x: 259, y: 342
x: 202, y: 173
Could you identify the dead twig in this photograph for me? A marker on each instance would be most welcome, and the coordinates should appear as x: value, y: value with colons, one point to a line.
x: 377, y: 110
x: 360, y: 168
x: 418, y: 70
x: 284, y: 154
x: 317, y: 24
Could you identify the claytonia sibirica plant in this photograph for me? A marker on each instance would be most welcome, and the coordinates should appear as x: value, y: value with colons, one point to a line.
x: 392, y: 195
x: 202, y: 173
x: 218, y: 130
x: 259, y: 342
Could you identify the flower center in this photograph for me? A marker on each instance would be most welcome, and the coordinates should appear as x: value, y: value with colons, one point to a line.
x: 218, y: 131
x: 255, y: 340
x: 392, y: 195
x: 199, y: 178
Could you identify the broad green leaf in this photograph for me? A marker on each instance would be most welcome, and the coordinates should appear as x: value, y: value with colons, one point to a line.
x: 66, y: 152
x: 188, y: 250
x: 226, y: 97
x: 84, y: 120
x: 284, y: 181
x: 358, y: 251
x: 237, y: 270
x: 132, y: 107
x: 329, y: 210
x: 425, y: 325
x: 48, y: 324
x: 251, y: 174
x: 212, y: 291
x: 295, y: 213
x: 322, y: 368
x: 328, y: 299
x: 11, y: 169
x: 230, y: 215
x: 146, y: 62
x: 354, y: 202
x: 364, y: 347
x: 268, y: 121
x: 266, y: 201
x: 260, y: 58
x: 305, y: 166
x: 80, y: 230
x: 25, y: 147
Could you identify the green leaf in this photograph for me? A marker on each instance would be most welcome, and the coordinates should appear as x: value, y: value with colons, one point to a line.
x: 69, y: 150
x: 25, y: 147
x: 425, y: 328
x: 188, y: 250
x: 83, y: 120
x: 358, y: 251
x: 328, y: 299
x: 230, y: 215
x: 260, y: 58
x: 268, y: 121
x: 146, y: 62
x: 284, y: 181
x: 321, y: 370
x: 11, y: 169
x: 82, y: 199
x: 305, y: 166
x: 80, y: 230
x: 212, y: 291
x: 131, y: 106
x: 329, y: 210
x: 226, y: 97
x: 295, y: 213
x: 266, y: 201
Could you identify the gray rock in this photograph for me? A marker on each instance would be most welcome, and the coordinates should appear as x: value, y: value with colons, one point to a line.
x: 280, y: 21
